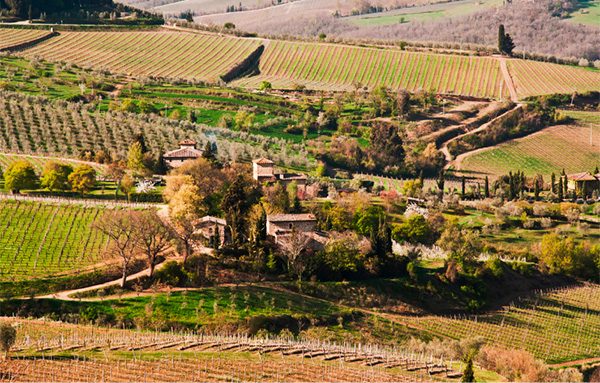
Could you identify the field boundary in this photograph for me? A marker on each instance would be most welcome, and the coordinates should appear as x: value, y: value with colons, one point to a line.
x: 28, y: 44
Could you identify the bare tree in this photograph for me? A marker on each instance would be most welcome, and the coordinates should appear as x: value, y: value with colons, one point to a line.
x: 120, y: 228
x: 154, y: 237
x: 292, y: 249
x: 183, y: 229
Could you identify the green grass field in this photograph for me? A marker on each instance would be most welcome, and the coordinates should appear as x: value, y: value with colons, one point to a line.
x: 40, y: 240
x: 592, y: 18
x: 551, y: 150
x: 424, y: 12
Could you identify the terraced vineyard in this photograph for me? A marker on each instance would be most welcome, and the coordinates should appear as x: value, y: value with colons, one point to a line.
x: 162, y: 54
x: 38, y: 240
x: 10, y: 37
x: 535, y: 78
x: 38, y: 161
x: 561, y: 325
x: 551, y: 150
x: 339, y: 67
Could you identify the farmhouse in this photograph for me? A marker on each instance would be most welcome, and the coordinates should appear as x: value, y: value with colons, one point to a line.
x: 279, y: 224
x: 583, y: 183
x: 263, y: 170
x: 206, y: 226
x: 187, y: 151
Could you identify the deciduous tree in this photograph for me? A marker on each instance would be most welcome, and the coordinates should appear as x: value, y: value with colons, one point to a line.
x: 120, y: 227
x: 83, y: 179
x: 292, y: 249
x: 55, y: 176
x: 20, y: 175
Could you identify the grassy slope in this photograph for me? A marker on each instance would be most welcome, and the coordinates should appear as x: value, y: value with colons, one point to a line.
x: 423, y: 13
x: 592, y: 18
x: 551, y: 150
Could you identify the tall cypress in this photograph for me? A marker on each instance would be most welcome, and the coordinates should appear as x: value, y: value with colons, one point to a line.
x: 560, y: 190
x: 487, y: 187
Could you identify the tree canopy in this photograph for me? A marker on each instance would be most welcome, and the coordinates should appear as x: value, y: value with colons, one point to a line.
x: 19, y: 176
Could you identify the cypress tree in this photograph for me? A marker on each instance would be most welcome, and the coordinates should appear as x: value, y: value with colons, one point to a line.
x: 553, y: 183
x: 565, y: 186
x: 463, y: 189
x: 216, y: 238
x: 441, y: 181
x: 468, y: 374
x: 501, y: 38
x: 560, y: 190
x: 536, y: 191
x: 487, y: 187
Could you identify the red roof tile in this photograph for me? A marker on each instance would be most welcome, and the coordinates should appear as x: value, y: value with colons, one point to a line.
x: 263, y: 161
x: 184, y: 153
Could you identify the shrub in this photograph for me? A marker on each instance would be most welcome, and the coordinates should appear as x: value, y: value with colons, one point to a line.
x: 172, y: 274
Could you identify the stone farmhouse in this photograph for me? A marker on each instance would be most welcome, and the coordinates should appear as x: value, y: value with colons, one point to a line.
x: 205, y: 226
x: 187, y: 151
x: 282, y: 224
x: 583, y: 183
x: 279, y: 227
x: 263, y: 171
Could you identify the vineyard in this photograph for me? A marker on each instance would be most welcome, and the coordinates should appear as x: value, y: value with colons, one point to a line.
x: 339, y: 67
x: 12, y: 37
x: 560, y: 325
x: 549, y: 151
x: 37, y: 125
x: 161, y: 54
x: 94, y: 354
x: 38, y: 240
x: 535, y: 78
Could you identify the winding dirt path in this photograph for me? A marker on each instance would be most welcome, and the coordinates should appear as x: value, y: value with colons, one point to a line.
x: 508, y: 79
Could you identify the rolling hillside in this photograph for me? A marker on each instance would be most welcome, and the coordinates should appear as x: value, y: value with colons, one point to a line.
x: 205, y: 56
x: 550, y: 150
x: 339, y: 67
x: 161, y: 54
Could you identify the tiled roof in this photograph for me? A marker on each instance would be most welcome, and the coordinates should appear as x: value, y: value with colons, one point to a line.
x: 293, y: 176
x: 211, y: 219
x: 187, y: 141
x: 263, y: 161
x: 291, y: 217
x: 585, y: 176
x: 184, y: 153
